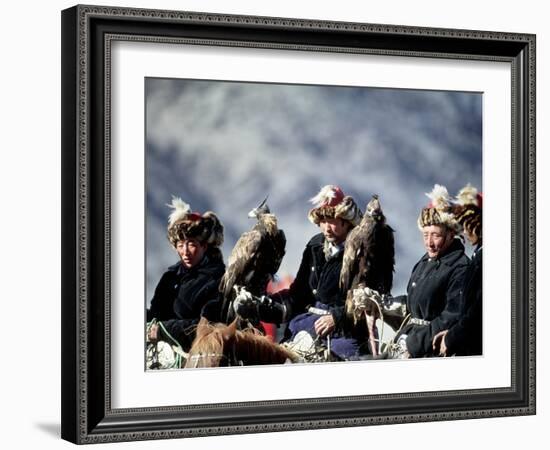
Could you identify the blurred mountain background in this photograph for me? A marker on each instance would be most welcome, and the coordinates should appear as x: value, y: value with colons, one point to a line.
x: 225, y: 146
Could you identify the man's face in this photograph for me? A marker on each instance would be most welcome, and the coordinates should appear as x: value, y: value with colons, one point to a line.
x: 436, y: 239
x: 190, y: 251
x: 335, y: 230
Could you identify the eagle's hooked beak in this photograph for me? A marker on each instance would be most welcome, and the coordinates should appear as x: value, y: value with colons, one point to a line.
x: 263, y: 203
x: 260, y: 209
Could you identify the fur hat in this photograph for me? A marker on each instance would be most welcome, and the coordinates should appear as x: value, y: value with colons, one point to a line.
x: 468, y: 209
x: 184, y: 224
x: 331, y: 203
x: 439, y: 211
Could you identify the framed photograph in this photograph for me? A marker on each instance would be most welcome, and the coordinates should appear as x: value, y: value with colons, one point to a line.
x: 224, y: 111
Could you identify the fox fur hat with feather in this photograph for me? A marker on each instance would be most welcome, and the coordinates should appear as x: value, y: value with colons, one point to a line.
x: 468, y: 205
x: 185, y: 224
x: 331, y: 203
x: 440, y: 211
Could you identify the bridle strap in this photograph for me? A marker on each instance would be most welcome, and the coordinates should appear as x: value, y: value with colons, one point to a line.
x: 197, y: 358
x: 230, y: 357
x: 230, y: 361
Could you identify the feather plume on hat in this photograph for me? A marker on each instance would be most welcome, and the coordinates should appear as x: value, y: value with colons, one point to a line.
x: 331, y: 202
x: 440, y: 198
x: 180, y: 210
x: 329, y: 195
x: 439, y: 211
x: 183, y: 223
x: 469, y: 195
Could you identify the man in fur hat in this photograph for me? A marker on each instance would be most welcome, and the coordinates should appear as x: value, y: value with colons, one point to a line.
x: 186, y: 286
x: 314, y: 301
x: 435, y: 287
x: 465, y: 337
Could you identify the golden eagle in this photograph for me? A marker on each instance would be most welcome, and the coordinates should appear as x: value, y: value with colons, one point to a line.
x: 255, y: 258
x: 368, y: 262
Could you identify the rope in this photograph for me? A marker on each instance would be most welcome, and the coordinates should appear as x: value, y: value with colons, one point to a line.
x: 405, y: 321
x: 392, y: 344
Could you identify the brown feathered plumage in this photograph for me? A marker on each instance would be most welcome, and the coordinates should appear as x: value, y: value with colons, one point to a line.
x: 369, y: 253
x: 368, y: 262
x: 256, y: 256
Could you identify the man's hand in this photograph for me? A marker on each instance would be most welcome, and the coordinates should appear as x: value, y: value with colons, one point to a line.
x: 439, y: 342
x: 324, y: 325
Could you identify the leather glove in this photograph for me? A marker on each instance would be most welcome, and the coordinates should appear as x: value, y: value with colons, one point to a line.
x: 245, y: 304
x: 366, y: 299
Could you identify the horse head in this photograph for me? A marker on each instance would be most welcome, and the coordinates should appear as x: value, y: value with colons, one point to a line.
x: 208, y: 346
x: 225, y: 345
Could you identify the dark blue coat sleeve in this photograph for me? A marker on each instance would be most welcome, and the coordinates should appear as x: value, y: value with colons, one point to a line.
x: 465, y: 337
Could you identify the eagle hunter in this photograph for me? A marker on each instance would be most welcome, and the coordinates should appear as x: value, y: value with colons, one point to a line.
x: 255, y: 259
x: 368, y: 262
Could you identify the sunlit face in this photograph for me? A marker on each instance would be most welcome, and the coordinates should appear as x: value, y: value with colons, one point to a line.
x: 190, y: 251
x: 335, y: 230
x: 436, y: 239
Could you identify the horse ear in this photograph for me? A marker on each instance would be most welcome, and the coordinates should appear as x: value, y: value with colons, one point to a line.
x: 230, y: 331
x: 202, y: 328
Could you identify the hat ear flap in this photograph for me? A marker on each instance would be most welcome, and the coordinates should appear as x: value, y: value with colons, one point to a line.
x: 215, y: 229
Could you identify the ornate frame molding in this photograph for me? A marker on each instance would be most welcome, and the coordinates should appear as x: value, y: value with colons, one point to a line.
x: 88, y: 31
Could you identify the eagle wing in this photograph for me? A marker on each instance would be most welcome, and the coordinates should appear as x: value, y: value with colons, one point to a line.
x: 266, y: 262
x: 382, y: 259
x: 279, y: 246
x: 369, y: 257
x: 241, y: 260
x: 353, y: 250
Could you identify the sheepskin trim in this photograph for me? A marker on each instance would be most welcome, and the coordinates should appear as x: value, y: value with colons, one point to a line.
x: 207, y: 229
x: 432, y: 216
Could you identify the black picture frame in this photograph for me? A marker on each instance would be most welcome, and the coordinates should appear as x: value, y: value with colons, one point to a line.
x: 87, y: 33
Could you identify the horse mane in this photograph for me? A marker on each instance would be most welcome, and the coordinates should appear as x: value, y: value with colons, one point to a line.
x: 215, y: 342
x: 254, y: 348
